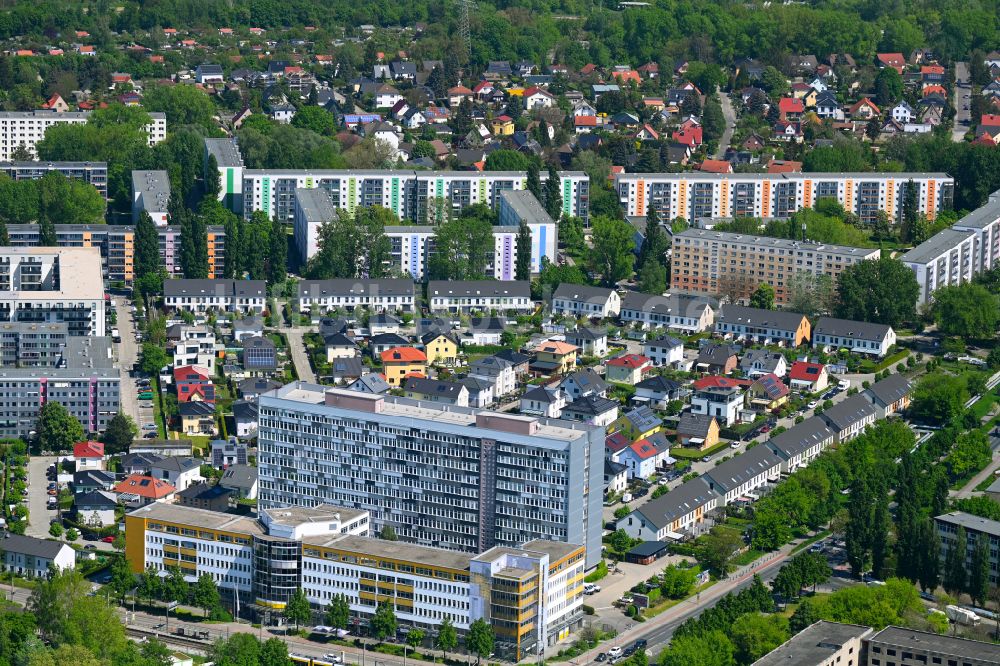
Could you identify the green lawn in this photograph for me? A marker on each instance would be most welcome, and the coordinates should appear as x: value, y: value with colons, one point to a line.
x: 695, y: 454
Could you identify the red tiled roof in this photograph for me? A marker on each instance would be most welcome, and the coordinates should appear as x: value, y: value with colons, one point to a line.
x: 643, y: 448
x: 784, y: 166
x: 715, y: 381
x: 716, y: 166
x: 88, y: 450
x: 806, y: 372
x: 863, y: 102
x: 791, y: 105
x: 145, y: 486
x: 990, y: 120
x: 629, y: 361
x: 188, y: 372
x: 403, y: 355
x: 616, y: 442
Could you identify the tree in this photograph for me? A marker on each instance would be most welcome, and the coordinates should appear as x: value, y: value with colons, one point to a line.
x: 119, y: 434
x: 811, y: 294
x: 213, y: 180
x: 534, y: 181
x: 150, y: 584
x: 297, y: 609
x: 316, y: 119
x: 652, y: 277
x: 183, y: 105
x: 506, y: 160
x: 718, y: 548
x: 479, y: 639
x: 273, y: 652
x: 954, y: 565
x: 67, y: 616
x: 338, y: 612
x: 611, y: 255
x: 979, y: 572
x: 929, y: 574
x: 383, y: 623
x: 175, y: 588
x: 888, y: 87
x: 241, y: 650
x: 712, y: 648
x: 56, y: 530
x: 277, y: 257
x: 147, y: 253
x: 447, y: 638
x: 967, y: 311
x: 774, y: 82
x: 938, y: 398
x: 205, y: 594
x: 713, y: 120
x: 153, y: 358
x: 522, y: 247
x: 463, y: 247
x: 414, y: 638
x: 882, y: 291
x: 763, y: 297
x: 353, y: 247
x: 72, y: 534
x: 755, y: 634
x: 388, y: 533
x: 56, y: 429
x: 553, y: 194
x: 122, y: 579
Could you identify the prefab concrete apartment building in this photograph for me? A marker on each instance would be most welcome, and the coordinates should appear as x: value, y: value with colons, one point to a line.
x: 710, y: 262
x: 440, y: 475
x: 92, y: 173
x: 701, y: 196
x: 27, y: 128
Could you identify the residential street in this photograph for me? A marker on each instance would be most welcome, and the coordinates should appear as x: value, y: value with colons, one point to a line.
x: 730, y: 115
x: 128, y: 354
x: 38, y: 513
x: 297, y: 348
x: 961, y: 102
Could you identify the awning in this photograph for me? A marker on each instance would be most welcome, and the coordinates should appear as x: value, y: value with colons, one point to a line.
x: 675, y: 536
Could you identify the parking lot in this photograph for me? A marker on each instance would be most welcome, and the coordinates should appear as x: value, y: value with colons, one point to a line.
x: 141, y: 410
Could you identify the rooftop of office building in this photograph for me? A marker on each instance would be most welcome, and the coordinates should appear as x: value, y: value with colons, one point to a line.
x: 937, y: 644
x: 198, y: 518
x: 814, y: 644
x: 321, y: 513
x: 431, y: 413
x: 394, y: 550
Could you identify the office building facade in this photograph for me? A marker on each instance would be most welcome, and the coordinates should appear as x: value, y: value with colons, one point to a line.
x: 702, y: 196
x: 713, y: 262
x: 440, y: 475
x: 26, y: 128
x: 530, y: 595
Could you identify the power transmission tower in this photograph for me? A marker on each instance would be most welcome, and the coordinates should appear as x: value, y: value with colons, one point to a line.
x: 468, y: 6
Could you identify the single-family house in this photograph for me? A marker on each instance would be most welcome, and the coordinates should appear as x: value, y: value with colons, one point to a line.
x: 434, y: 390
x: 553, y: 357
x: 339, y: 345
x: 808, y: 377
x: 615, y: 478
x: 31, y: 557
x: 903, y: 112
x: 591, y: 341
x: 137, y: 490
x: 88, y: 455
x: 638, y: 423
x: 178, y: 471
x: 628, y: 369
x: 93, y: 479
x: 723, y: 402
x: 241, y: 480
x: 664, y: 351
x: 197, y: 417
x: 767, y: 393
x: 716, y: 359
x: 245, y: 417
x: 657, y: 391
x: 497, y: 371
x: 863, y: 109
x: 894, y: 60
x: 440, y: 348
x: 592, y: 410
x: 517, y: 360
x: 207, y: 496
x: 401, y: 362
x: 757, y: 362
x: 582, y: 383
x: 644, y: 456
x: 95, y: 507
x: 697, y: 431
x: 543, y: 401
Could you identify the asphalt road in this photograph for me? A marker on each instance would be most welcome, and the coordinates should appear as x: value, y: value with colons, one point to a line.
x: 729, y: 113
x: 39, y: 514
x: 128, y: 354
x: 961, y: 102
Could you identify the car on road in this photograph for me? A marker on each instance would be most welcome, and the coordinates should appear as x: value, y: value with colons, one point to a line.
x: 52, y: 491
x: 151, y: 435
x: 664, y: 480
x: 615, y: 652
x: 600, y: 657
x: 108, y: 539
x: 90, y: 546
x: 706, y: 459
x: 591, y: 588
x: 812, y: 404
x: 734, y: 445
x: 149, y: 426
x: 642, y: 492
x: 640, y: 644
x: 332, y: 658
x: 766, y: 428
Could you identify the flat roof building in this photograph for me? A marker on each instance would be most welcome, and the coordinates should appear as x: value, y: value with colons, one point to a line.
x: 92, y: 173
x: 27, y: 128
x: 821, y: 644
x: 150, y: 194
x: 422, y: 440
x: 909, y: 647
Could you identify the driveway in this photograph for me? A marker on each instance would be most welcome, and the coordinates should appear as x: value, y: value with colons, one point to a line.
x: 729, y: 113
x: 297, y: 349
x: 961, y: 102
x: 38, y: 513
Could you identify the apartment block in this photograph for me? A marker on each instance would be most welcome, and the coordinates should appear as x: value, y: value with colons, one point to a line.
x: 229, y: 162
x: 34, y: 345
x: 150, y: 194
x: 92, y: 173
x: 701, y: 196
x: 87, y: 383
x: 975, y: 528
x: 47, y: 285
x: 27, y: 128
x: 957, y: 254
x: 221, y: 295
x: 713, y: 262
x: 531, y: 595
x: 440, y: 475
x: 417, y: 196
x: 515, y: 207
x: 117, y: 246
x: 317, y: 297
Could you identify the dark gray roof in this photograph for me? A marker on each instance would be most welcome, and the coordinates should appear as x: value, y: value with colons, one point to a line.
x: 737, y: 471
x: 346, y: 287
x: 643, y: 418
x: 244, y: 410
x: 425, y: 386
x: 716, y: 354
x: 204, y: 491
x: 515, y: 357
x: 138, y: 460
x: 848, y: 412
x: 856, y: 330
x: 489, y: 324
x: 369, y: 383
x: 26, y: 545
x: 199, y: 288
x: 347, y: 367
x: 580, y: 335
x: 664, y: 341
x: 475, y: 384
x: 258, y: 386
x: 338, y: 340
x: 683, y: 305
x: 196, y: 408
x: 889, y: 390
x: 801, y: 437
x: 96, y: 498
x: 590, y: 405
x: 93, y: 477
x: 239, y: 476
x: 541, y: 394
x: 587, y: 379
x: 581, y: 293
x: 393, y: 339
x: 383, y: 319
x: 769, y: 360
x: 330, y: 325
x: 682, y: 500
x: 658, y: 383
x: 257, y: 342
x: 249, y: 324
x: 176, y: 464
x: 695, y: 425
x: 936, y: 644
x: 759, y: 318
x: 611, y: 468
x: 471, y: 288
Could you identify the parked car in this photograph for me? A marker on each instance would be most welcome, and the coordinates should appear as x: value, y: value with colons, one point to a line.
x: 812, y: 404
x: 615, y: 652
x: 600, y: 657
x: 108, y: 539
